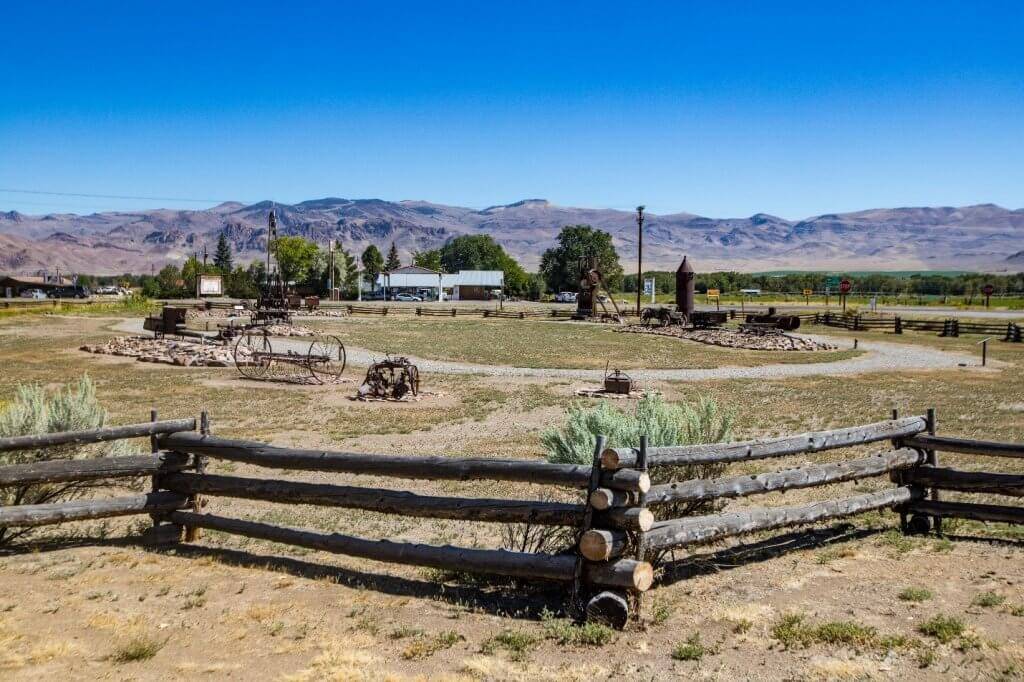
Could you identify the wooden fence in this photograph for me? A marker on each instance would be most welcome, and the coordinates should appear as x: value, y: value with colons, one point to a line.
x: 609, y: 568
x: 1009, y: 331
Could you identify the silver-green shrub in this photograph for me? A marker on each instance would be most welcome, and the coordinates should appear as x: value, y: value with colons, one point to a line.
x: 663, y: 423
x: 36, y: 411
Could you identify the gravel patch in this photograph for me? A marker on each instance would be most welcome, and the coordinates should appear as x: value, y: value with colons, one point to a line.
x: 878, y: 357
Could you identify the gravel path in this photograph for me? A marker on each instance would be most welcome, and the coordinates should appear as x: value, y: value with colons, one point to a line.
x: 878, y: 356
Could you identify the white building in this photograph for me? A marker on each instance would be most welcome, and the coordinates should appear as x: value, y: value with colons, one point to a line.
x: 465, y: 285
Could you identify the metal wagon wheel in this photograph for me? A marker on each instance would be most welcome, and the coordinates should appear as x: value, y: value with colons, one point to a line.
x: 253, y: 354
x: 326, y: 358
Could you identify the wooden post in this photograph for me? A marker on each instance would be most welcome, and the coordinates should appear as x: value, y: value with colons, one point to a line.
x: 641, y: 535
x: 192, y: 533
x: 933, y: 460
x: 588, y: 517
x: 897, y: 475
x: 898, y: 325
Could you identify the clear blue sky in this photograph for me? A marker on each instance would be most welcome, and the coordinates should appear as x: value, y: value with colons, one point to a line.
x: 717, y: 108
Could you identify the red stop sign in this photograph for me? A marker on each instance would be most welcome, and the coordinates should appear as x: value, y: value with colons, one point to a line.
x: 988, y: 290
x: 845, y: 286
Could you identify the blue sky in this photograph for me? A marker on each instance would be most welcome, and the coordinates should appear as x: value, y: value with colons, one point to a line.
x: 717, y: 108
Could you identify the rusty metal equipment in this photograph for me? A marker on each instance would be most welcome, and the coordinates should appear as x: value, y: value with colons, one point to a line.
x: 685, y: 312
x: 170, y: 321
x: 786, y: 323
x: 592, y: 290
x: 322, y: 361
x: 392, y: 378
x: 617, y: 382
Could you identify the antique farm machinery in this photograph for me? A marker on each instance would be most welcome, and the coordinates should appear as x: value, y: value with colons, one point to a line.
x: 593, y: 290
x: 393, y: 378
x: 322, y: 360
x: 684, y: 312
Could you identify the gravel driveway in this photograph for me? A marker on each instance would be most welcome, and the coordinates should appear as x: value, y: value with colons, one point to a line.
x: 878, y: 357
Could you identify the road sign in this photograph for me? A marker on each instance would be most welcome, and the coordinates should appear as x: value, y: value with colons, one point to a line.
x: 713, y: 293
x: 648, y: 287
x: 988, y: 290
x: 808, y: 292
x: 845, y: 286
x: 832, y: 282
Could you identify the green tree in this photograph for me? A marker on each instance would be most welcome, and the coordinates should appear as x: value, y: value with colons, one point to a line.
x: 428, y: 259
x: 295, y: 257
x: 241, y: 283
x: 222, y: 258
x: 560, y: 264
x: 481, y: 252
x: 169, y: 281
x: 393, y: 262
x: 373, y: 264
x: 351, y: 273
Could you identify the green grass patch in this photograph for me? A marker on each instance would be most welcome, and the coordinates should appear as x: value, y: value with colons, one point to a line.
x: 943, y: 628
x: 517, y: 643
x: 138, y: 648
x: 915, y: 594
x: 987, y: 600
x: 690, y: 650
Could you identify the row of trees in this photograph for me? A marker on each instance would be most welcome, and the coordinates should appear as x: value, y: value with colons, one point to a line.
x: 924, y: 284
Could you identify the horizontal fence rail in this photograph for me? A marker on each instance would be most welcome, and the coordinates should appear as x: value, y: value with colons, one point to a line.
x: 96, y: 435
x: 377, y: 500
x: 966, y: 446
x: 630, y: 574
x: 65, y: 470
x: 600, y: 545
x: 745, y: 485
x: 968, y: 510
x: 616, y: 458
x: 402, y: 466
x: 80, y: 510
x: 1011, y: 485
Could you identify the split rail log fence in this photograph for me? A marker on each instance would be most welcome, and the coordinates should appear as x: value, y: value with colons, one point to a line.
x: 1009, y: 331
x: 609, y: 569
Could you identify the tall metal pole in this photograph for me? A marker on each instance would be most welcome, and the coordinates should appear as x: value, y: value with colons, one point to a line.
x: 330, y: 289
x: 639, y: 256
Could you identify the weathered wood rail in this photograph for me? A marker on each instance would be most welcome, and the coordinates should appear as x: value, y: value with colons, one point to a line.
x: 609, y: 568
x: 1009, y: 331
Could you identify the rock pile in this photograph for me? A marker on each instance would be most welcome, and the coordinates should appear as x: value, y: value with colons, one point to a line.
x: 166, y: 351
x: 288, y: 330
x: 731, y: 338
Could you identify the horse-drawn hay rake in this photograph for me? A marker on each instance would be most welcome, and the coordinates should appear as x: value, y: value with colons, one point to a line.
x: 323, y: 361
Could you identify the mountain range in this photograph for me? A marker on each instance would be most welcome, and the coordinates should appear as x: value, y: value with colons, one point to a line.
x: 983, y: 237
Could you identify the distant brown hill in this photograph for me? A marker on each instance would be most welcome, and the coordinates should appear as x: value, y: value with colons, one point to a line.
x: 983, y: 237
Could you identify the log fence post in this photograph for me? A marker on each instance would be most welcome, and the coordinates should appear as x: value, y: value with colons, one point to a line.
x: 641, y: 534
x: 898, y: 325
x: 898, y: 478
x: 932, y: 459
x: 192, y: 534
x: 588, y: 517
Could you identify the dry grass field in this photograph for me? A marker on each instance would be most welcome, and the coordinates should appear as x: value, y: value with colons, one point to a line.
x: 851, y: 600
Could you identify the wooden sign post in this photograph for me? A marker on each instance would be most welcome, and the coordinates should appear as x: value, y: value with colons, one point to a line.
x: 988, y: 290
x: 844, y: 289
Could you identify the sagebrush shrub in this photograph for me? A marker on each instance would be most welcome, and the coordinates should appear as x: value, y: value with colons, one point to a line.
x: 663, y: 423
x: 35, y: 411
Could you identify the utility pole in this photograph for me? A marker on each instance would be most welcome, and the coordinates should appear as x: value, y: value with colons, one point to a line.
x: 204, y: 256
x: 330, y: 280
x: 639, y: 256
x: 271, y: 236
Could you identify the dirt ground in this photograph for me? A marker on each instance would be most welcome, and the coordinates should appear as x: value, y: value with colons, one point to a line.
x: 852, y: 600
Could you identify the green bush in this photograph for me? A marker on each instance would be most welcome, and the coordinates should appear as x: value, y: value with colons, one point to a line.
x: 34, y: 411
x: 662, y: 423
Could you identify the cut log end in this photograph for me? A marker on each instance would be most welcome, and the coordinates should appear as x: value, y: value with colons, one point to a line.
x: 644, y: 482
x: 601, y: 499
x: 645, y: 520
x: 596, y: 545
x: 609, y: 608
x: 610, y: 459
x: 643, y: 576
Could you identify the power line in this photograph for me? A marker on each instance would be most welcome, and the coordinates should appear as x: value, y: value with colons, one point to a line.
x: 112, y: 196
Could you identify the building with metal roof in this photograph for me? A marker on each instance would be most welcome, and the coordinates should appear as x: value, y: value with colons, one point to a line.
x: 465, y: 285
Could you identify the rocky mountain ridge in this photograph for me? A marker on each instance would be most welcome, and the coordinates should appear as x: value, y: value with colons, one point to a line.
x: 981, y: 237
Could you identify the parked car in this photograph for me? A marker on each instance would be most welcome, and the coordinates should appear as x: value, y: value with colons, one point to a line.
x: 33, y: 293
x: 565, y: 297
x: 70, y: 292
x: 407, y: 297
